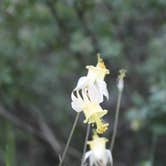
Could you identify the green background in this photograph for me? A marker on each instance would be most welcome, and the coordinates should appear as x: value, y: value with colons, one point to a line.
x: 44, y: 48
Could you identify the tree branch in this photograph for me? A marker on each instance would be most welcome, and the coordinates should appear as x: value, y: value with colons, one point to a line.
x: 42, y: 132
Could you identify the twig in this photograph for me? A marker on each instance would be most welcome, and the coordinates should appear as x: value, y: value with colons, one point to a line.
x: 116, y: 120
x: 69, y: 139
x: 43, y: 132
x: 153, y: 148
x: 85, y: 143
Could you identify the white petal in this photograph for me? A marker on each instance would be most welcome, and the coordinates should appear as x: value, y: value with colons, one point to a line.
x: 103, y: 88
x: 92, y: 160
x: 94, y: 94
x: 87, y: 154
x: 76, y: 107
x: 76, y: 97
x: 73, y: 97
x: 109, y: 155
x: 84, y: 95
x: 82, y: 82
x: 76, y: 103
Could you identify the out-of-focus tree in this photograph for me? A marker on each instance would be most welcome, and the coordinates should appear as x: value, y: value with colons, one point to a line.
x: 44, y: 47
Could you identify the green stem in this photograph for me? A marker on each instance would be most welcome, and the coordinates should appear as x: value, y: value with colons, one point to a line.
x: 85, y: 143
x: 116, y: 120
x: 10, y: 147
x: 153, y: 148
x: 69, y: 139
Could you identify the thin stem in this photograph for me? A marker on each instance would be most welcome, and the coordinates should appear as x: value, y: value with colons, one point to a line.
x: 85, y: 143
x: 153, y: 149
x: 116, y: 120
x: 69, y: 139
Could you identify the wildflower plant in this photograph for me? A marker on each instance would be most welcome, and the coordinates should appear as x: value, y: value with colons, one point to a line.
x: 87, y: 96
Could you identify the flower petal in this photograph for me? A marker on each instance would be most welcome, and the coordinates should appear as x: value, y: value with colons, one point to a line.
x: 103, y: 88
x: 77, y: 102
x: 109, y: 155
x: 82, y: 82
x: 87, y: 154
x: 84, y: 95
x: 76, y: 106
x: 76, y: 96
x: 94, y: 94
x: 73, y: 97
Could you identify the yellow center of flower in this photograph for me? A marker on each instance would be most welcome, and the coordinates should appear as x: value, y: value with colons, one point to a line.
x: 97, y: 142
x: 93, y: 114
x: 100, y: 62
x: 101, y: 126
x: 99, y: 71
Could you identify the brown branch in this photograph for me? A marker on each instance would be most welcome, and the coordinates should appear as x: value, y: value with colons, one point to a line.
x: 43, y: 132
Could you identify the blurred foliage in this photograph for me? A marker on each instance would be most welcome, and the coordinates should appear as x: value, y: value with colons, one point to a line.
x: 44, y: 47
x: 10, y: 148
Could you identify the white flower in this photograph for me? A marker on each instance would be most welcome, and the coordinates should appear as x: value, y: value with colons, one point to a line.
x: 94, y: 81
x: 91, y: 108
x: 98, y: 154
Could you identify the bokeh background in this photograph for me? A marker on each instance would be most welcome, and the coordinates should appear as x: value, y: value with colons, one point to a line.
x: 44, y: 48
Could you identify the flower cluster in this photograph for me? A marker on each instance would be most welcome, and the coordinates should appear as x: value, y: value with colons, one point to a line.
x: 89, y: 93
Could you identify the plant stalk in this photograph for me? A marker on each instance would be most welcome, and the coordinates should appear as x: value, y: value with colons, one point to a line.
x: 85, y: 143
x: 153, y: 148
x: 116, y: 120
x: 69, y: 139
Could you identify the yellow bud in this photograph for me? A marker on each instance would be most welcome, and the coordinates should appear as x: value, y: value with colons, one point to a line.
x: 122, y: 74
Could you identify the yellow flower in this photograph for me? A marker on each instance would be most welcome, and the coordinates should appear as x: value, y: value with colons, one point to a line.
x: 94, y: 81
x: 92, y: 110
x: 98, y: 154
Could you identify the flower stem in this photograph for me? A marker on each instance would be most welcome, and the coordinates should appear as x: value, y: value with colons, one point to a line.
x: 153, y: 148
x: 116, y: 120
x: 85, y: 143
x: 69, y: 139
